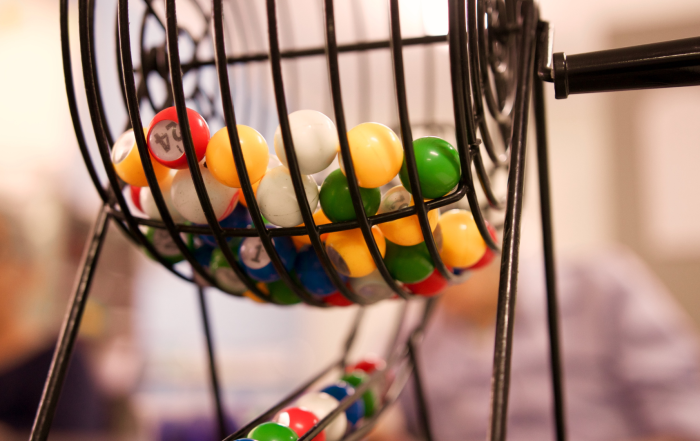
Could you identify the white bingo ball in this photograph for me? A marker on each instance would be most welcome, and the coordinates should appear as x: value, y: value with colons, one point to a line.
x: 223, y: 199
x: 277, y: 200
x: 321, y: 404
x: 148, y: 204
x: 372, y: 287
x: 315, y: 141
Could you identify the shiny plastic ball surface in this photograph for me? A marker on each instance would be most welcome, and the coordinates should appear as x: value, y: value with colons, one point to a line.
x: 315, y: 140
x: 277, y: 200
x: 186, y: 201
x: 127, y: 161
x: 349, y: 253
x: 165, y: 140
x: 405, y: 231
x: 337, y: 203
x: 438, y: 167
x: 220, y: 157
x: 377, y: 154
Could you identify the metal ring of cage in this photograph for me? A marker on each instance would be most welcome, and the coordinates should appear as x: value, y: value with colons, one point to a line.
x: 469, y: 47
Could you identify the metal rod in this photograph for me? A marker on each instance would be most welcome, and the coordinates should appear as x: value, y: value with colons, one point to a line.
x: 511, y: 241
x: 69, y: 329
x: 548, y: 246
x: 423, y: 414
x: 211, y: 359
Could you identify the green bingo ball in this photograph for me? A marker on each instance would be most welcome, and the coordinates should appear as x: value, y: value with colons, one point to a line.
x: 408, y: 264
x: 336, y: 202
x: 356, y: 378
x: 273, y: 432
x: 281, y: 293
x: 165, y: 245
x: 438, y: 167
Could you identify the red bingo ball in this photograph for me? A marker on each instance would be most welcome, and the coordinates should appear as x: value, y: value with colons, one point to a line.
x: 300, y: 421
x: 489, y: 254
x: 429, y: 287
x: 368, y: 365
x: 336, y: 299
x: 165, y: 140
x: 135, y: 193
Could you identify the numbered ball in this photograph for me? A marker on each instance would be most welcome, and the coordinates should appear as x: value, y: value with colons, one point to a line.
x: 282, y: 294
x: 376, y: 154
x: 405, y: 231
x: 355, y: 379
x: 337, y: 299
x: 337, y: 203
x: 312, y: 275
x: 367, y: 365
x: 462, y: 275
x: 224, y: 274
x: 256, y: 261
x: 463, y: 246
x: 165, y: 141
x: 300, y: 421
x: 220, y: 158
x: 148, y: 203
x: 438, y: 167
x: 165, y: 245
x: 489, y: 254
x: 339, y: 391
x: 321, y: 404
x: 239, y: 218
x: 135, y: 196
x: 429, y: 287
x: 127, y: 161
x: 372, y: 287
x: 349, y: 253
x: 184, y: 195
x: 277, y: 200
x: 273, y: 432
x: 315, y: 141
x: 319, y: 219
x: 408, y: 264
x: 202, y: 252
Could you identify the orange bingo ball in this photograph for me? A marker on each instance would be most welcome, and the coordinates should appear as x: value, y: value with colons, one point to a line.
x: 127, y: 161
x: 405, y: 231
x: 462, y: 245
x: 376, y: 153
x: 220, y: 158
x: 320, y: 219
x: 349, y: 253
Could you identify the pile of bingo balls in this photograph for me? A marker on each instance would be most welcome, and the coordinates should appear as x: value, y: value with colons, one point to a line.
x: 293, y: 422
x: 377, y: 158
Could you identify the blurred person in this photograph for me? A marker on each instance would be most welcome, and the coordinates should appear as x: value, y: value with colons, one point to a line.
x: 26, y: 350
x: 631, y: 359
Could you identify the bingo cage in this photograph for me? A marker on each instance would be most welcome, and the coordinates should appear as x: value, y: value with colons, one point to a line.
x: 499, y: 56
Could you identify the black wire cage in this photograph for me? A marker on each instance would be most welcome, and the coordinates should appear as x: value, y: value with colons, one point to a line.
x: 500, y: 55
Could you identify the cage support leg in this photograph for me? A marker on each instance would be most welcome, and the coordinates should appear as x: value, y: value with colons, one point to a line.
x: 511, y: 239
x: 69, y: 329
x: 423, y: 414
x: 213, y: 373
x: 549, y: 266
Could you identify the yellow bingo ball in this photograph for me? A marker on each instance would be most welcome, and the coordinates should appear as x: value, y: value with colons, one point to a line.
x: 220, y: 158
x: 405, y: 231
x: 349, y: 253
x: 376, y: 154
x: 127, y: 161
x: 462, y: 245
x: 320, y: 219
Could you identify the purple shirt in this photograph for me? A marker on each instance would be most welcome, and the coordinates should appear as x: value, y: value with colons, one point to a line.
x: 631, y: 360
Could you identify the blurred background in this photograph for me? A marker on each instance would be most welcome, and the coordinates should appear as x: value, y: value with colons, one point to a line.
x: 622, y: 172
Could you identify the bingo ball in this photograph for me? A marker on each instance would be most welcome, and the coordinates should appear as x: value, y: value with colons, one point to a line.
x: 277, y: 200
x: 462, y: 245
x: 135, y: 196
x: 405, y: 231
x: 461, y: 275
x: 300, y: 421
x: 312, y: 275
x: 349, y: 253
x: 315, y: 141
x: 220, y: 158
x: 184, y: 195
x: 224, y: 274
x: 321, y: 404
x: 239, y: 218
x: 339, y: 391
x: 408, y: 264
x: 256, y: 261
x: 489, y: 254
x: 337, y: 299
x: 368, y: 365
x: 355, y: 379
x: 127, y: 161
x: 372, y: 287
x: 273, y: 432
x: 282, y: 294
x: 148, y: 203
x: 376, y: 154
x: 438, y: 167
x: 165, y: 140
x: 429, y: 287
x: 337, y: 203
x: 165, y: 245
x: 319, y: 219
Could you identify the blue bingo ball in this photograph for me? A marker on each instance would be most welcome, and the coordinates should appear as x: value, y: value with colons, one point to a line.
x: 202, y: 252
x: 311, y: 274
x: 339, y: 391
x: 257, y: 263
x: 239, y: 218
